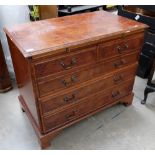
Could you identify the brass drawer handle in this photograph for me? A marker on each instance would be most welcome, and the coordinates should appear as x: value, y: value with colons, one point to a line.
x: 68, y: 66
x: 126, y: 46
x: 120, y: 63
x: 121, y: 49
x: 115, y: 94
x: 72, y: 80
x: 118, y: 78
x: 71, y: 115
x: 69, y: 99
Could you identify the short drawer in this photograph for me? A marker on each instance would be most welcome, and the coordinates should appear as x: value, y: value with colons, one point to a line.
x: 74, y: 95
x: 86, y: 106
x: 120, y: 62
x: 51, y: 85
x: 65, y: 62
x: 119, y: 47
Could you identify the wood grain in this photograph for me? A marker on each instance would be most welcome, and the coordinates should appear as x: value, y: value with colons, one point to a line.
x: 72, y: 67
x: 57, y: 33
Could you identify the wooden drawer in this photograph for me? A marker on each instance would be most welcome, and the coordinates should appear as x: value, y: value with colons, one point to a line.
x: 73, y: 95
x: 59, y: 119
x: 104, y: 98
x: 51, y: 85
x: 86, y: 106
x: 119, y: 47
x: 65, y: 62
x: 120, y: 62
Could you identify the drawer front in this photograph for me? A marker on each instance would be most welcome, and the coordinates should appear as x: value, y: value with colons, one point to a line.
x: 116, y: 48
x: 59, y: 119
x: 86, y: 106
x: 77, y: 94
x: 101, y: 99
x: 120, y: 62
x: 50, y: 85
x: 66, y: 62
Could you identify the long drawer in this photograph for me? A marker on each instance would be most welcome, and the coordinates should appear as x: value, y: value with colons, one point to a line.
x: 73, y: 95
x: 86, y: 106
x: 121, y: 46
x: 51, y: 85
x: 65, y: 62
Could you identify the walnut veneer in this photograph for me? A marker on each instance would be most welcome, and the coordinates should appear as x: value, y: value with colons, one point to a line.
x: 70, y: 68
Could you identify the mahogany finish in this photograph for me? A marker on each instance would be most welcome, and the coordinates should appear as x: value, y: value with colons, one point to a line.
x: 68, y: 70
x: 5, y: 81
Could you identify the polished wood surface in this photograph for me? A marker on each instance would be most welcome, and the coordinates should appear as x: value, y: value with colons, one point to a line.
x: 85, y: 106
x: 5, y: 81
x: 75, y: 94
x: 61, y: 83
x: 25, y: 82
x: 65, y: 62
x: 52, y: 34
x: 73, y: 70
x: 121, y: 46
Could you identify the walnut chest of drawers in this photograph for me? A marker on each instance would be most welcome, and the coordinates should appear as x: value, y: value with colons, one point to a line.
x: 70, y: 68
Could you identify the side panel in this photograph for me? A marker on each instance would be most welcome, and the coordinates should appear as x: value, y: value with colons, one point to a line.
x: 24, y: 81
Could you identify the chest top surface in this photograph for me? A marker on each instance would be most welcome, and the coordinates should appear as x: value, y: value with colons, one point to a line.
x: 34, y: 38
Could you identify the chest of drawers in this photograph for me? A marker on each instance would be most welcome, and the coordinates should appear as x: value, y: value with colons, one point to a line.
x: 70, y: 68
